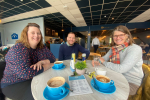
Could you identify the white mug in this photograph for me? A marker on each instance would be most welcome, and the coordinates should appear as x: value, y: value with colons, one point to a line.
x: 100, y: 71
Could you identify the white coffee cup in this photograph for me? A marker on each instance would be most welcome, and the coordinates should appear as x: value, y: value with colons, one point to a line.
x: 100, y: 71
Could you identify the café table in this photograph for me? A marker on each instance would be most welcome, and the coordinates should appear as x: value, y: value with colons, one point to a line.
x: 122, y: 87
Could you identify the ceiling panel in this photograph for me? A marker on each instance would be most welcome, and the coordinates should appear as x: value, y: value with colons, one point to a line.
x: 108, y: 6
x: 24, y: 7
x: 57, y: 14
x: 19, y: 10
x: 24, y: 1
x: 115, y: 14
x: 109, y: 1
x: 42, y: 3
x: 3, y: 8
x: 90, y: 12
x: 131, y: 9
x: 144, y: 8
x: 82, y: 3
x: 137, y: 2
x: 86, y: 14
x: 126, y: 13
x: 95, y: 17
x: 95, y: 20
x: 147, y: 3
x: 105, y: 12
x: 13, y: 2
x: 97, y: 13
x: 123, y: 4
x: 6, y: 5
x: 83, y: 10
x: 118, y: 10
x: 34, y: 6
x: 137, y: 12
x: 96, y: 8
x: 96, y: 2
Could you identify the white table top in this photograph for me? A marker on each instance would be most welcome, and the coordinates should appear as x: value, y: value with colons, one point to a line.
x: 122, y: 87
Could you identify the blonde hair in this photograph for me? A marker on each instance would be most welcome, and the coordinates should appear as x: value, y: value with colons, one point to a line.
x: 125, y: 30
x: 24, y: 36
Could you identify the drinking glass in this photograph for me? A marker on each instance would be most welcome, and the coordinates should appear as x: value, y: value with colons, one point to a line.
x: 96, y: 62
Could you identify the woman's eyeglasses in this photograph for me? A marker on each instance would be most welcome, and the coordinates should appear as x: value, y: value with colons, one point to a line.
x: 120, y: 36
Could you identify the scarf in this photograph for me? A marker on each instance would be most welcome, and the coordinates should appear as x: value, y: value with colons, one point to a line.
x: 115, y: 58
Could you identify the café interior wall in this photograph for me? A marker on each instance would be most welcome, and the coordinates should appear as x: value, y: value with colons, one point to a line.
x: 18, y: 26
x: 106, y: 40
x: 142, y: 36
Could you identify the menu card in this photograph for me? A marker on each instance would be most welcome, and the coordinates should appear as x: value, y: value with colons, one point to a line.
x: 79, y: 85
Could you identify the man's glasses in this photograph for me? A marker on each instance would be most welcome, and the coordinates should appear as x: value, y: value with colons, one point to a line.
x: 120, y: 36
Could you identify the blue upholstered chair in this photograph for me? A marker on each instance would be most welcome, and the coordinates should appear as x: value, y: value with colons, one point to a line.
x: 54, y: 48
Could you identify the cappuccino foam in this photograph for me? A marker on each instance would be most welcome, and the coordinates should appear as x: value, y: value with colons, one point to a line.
x: 56, y: 83
x: 103, y: 79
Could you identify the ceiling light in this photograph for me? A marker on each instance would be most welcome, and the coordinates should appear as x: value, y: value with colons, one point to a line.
x: 65, y: 7
x: 21, y: 0
x: 135, y: 38
x: 112, y: 18
x: 62, y: 30
x: 62, y: 26
x: 104, y: 16
x: 148, y: 36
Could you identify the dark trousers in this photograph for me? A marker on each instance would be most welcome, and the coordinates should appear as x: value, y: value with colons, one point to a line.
x: 19, y: 91
x: 95, y: 48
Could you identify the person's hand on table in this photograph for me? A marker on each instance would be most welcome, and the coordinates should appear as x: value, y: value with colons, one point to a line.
x: 101, y: 59
x: 37, y: 66
x: 95, y: 62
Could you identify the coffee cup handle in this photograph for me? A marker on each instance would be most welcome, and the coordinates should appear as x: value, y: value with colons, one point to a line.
x: 63, y: 90
x: 111, y: 82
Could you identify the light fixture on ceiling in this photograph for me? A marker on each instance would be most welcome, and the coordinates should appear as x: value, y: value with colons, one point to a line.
x: 65, y: 7
x: 112, y: 18
x: 135, y: 38
x: 21, y: 0
x: 148, y: 36
x: 62, y: 26
x: 105, y: 16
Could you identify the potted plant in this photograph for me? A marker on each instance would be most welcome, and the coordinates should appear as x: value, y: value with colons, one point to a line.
x: 80, y: 67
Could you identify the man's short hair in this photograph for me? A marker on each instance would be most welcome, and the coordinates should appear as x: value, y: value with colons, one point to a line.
x: 71, y: 33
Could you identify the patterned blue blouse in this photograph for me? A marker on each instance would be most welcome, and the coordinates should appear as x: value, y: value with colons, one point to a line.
x: 18, y: 61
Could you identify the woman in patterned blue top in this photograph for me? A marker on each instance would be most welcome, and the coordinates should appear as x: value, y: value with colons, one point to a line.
x: 26, y: 59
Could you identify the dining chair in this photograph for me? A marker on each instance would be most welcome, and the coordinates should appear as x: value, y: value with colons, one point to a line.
x: 143, y: 93
x: 54, y: 48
